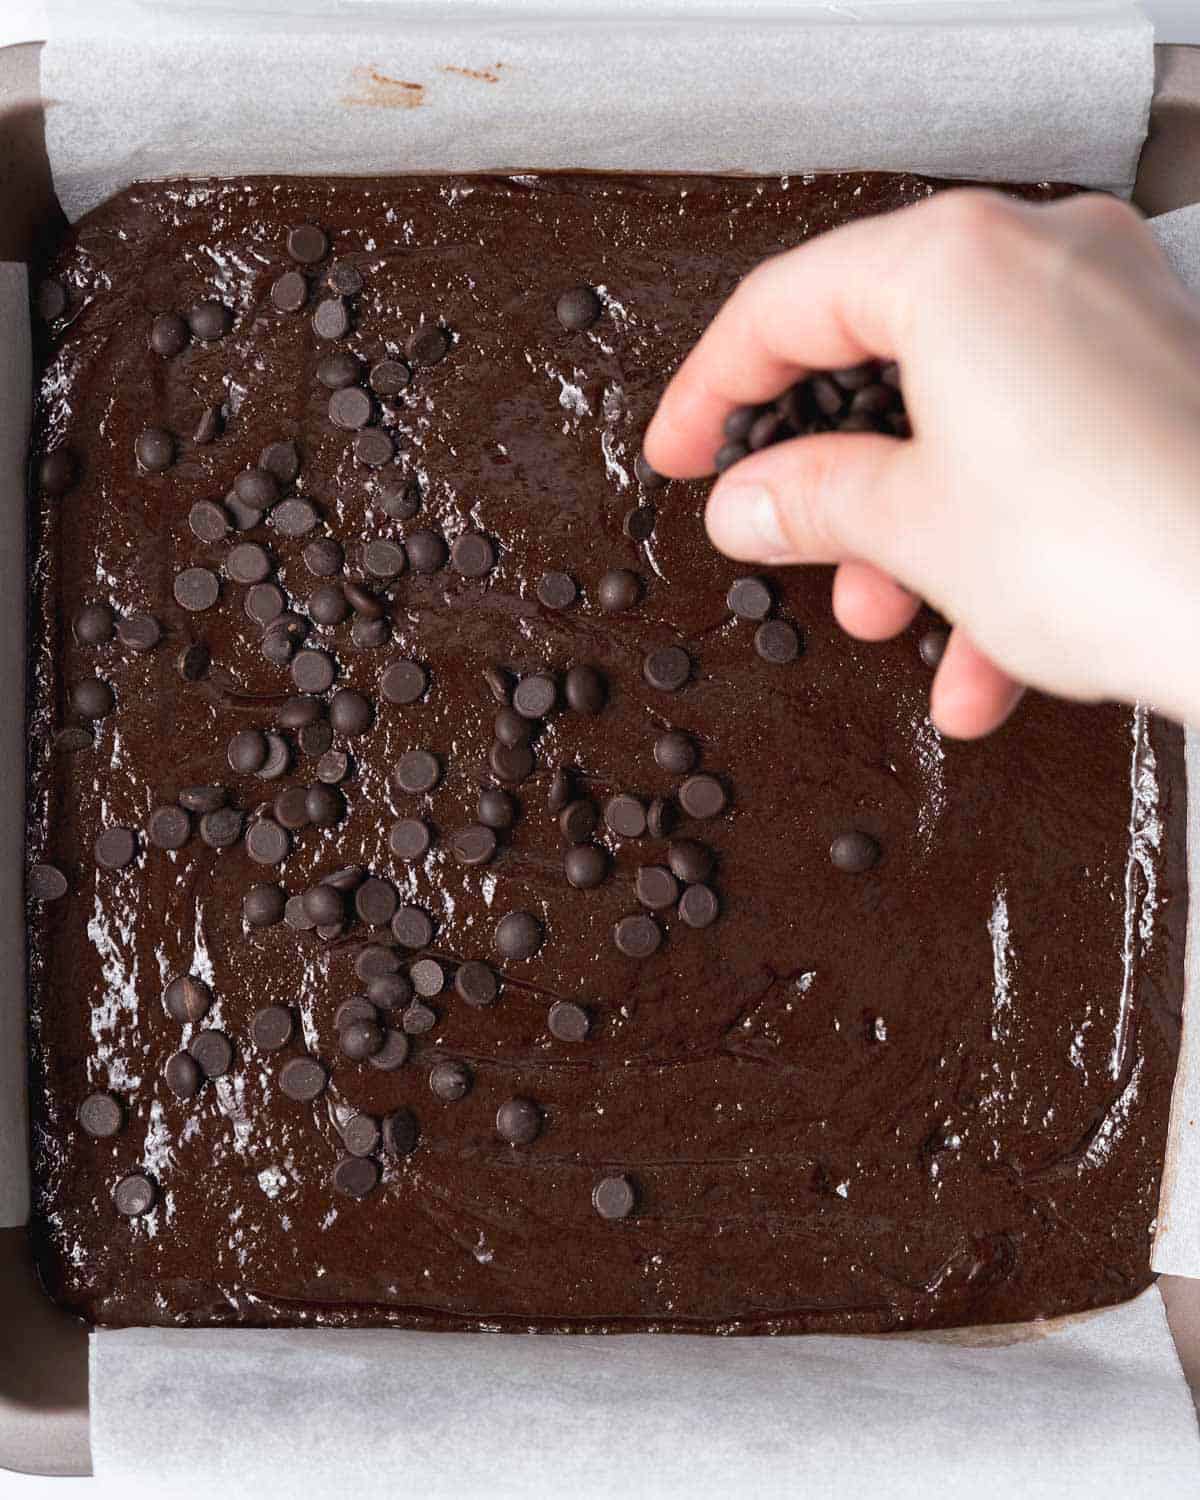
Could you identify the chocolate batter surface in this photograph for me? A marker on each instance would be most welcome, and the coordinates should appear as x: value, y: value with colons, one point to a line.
x: 931, y: 1093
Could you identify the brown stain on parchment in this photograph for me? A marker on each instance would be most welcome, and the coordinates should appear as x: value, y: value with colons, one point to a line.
x: 378, y: 91
x: 482, y: 75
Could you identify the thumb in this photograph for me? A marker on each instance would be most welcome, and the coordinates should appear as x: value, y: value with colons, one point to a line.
x: 818, y: 499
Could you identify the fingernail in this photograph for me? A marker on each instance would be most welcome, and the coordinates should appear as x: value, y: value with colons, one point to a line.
x: 743, y: 521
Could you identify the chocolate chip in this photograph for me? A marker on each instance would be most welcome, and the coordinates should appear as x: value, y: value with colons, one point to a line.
x: 350, y: 408
x: 324, y: 804
x: 428, y: 977
x: 510, y: 728
x: 262, y: 905
x: 389, y: 991
x: 208, y: 425
x: 778, y: 642
x: 360, y: 1134
x: 355, y: 1009
x: 418, y: 1018
x: 296, y: 917
x: 416, y: 771
x: 57, y: 472
x: 290, y: 808
x: 294, y: 517
x: 577, y: 821
x: 375, y: 901
x: 702, y: 797
x: 313, y: 671
x: 426, y: 551
x: 578, y: 308
x: 656, y: 887
x: 338, y: 370
x: 46, y: 883
x: 100, y: 1115
x: 155, y: 450
x: 334, y: 766
x: 264, y: 603
x: 183, y: 1076
x: 328, y: 605
x: 373, y: 448
x: 266, y: 842
x: 139, y: 632
x: 92, y: 698
x: 394, y: 1052
x: 221, y: 829
x: 691, y: 861
x: 52, y: 300
x: 512, y: 764
x: 429, y: 344
x: 585, y: 866
x: 349, y: 713
x: 384, y: 559
x: 648, y: 478
x: 403, y: 682
x: 356, y: 1176
x: 586, y: 690
x: 196, y: 589
x: 401, y: 501
x: 729, y: 454
x: 247, y: 751
x: 535, y: 695
x: 303, y: 1079
x: 764, y: 430
x: 854, y: 852
x: 560, y: 791
x: 568, y: 1022
x: 499, y: 683
x: 366, y: 634
x: 187, y: 999
x: 675, y: 752
x: 660, y: 818
x: 209, y: 320
x: 625, y: 816
x: 168, y: 335
x: 279, y: 758
x: 363, y: 601
x: 637, y: 936
x: 213, y: 1053
x: 281, y: 459
x: 331, y: 318
x: 518, y: 1121
x: 307, y: 243
x: 518, y: 935
x: 476, y: 984
x: 289, y: 292
x: 639, y: 523
x: 359, y: 1040
x: 614, y: 1198
x: 74, y: 739
x: 94, y: 624
x: 409, y: 838
x: 248, y: 562
x: 400, y: 1132
x: 472, y: 555
x: 474, y: 845
x: 667, y: 668
x: 193, y: 662
x: 557, y: 590
x: 698, y: 906
x: 376, y: 961
x: 272, y: 1028
x: 450, y: 1081
x: 496, y: 809
x: 412, y: 928
x: 389, y: 377
x: 932, y: 646
x: 115, y: 848
x: 202, y: 799
x: 242, y: 517
x: 169, y: 828
x: 135, y: 1195
x: 299, y: 710
x: 827, y: 395
x: 315, y: 739
x: 749, y: 599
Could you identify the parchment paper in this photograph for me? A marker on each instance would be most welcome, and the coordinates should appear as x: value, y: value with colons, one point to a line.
x: 1082, y: 1407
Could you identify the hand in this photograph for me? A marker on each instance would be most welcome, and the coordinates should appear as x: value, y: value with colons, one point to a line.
x: 1048, y: 502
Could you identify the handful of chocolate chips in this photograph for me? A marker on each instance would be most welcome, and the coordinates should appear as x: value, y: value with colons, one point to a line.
x: 862, y: 398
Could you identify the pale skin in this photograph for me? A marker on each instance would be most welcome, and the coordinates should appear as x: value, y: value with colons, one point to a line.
x: 1048, y: 503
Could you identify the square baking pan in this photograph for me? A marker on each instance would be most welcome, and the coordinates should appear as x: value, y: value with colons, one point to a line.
x: 44, y: 1418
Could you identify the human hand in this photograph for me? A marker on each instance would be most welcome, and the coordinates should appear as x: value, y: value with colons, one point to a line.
x: 1048, y: 502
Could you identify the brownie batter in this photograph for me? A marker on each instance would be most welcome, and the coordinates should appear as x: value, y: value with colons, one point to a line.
x: 674, y: 973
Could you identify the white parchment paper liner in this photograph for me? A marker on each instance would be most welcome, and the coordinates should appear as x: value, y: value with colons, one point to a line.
x: 1071, y: 1408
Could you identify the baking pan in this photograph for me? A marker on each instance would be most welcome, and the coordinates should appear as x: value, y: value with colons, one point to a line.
x: 44, y: 1356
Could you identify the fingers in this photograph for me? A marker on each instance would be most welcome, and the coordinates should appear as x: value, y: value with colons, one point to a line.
x: 867, y: 603
x: 971, y: 696
x: 833, y: 301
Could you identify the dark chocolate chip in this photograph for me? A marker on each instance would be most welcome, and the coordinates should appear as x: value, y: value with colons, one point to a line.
x: 416, y: 771
x: 202, y: 799
x: 535, y: 695
x: 698, y: 906
x: 384, y: 559
x: 476, y: 984
x: 648, y: 478
x: 667, y: 668
x: 778, y: 642
x: 357, y: 1008
x: 196, y: 589
x: 474, y: 845
x: 729, y: 454
x: 213, y: 1052
x: 510, y: 728
x: 568, y: 1022
x: 92, y: 698
x: 749, y: 599
x: 187, y: 999
x: 307, y: 243
x: 560, y: 791
x: 350, y: 408
x: 702, y: 797
x: 339, y: 370
x: 313, y: 671
x: 389, y: 377
x: 349, y: 713
x: 932, y: 646
x: 373, y: 448
x: 450, y: 1081
x: 656, y: 887
x: 315, y: 739
x: 333, y: 767
x: 209, y: 320
x: 257, y: 488
x: 427, y: 551
x: 52, y: 300
x: 690, y: 860
x: 73, y: 739
x: 57, y: 471
x: 324, y: 804
x: 585, y: 866
x: 296, y: 917
x: 375, y: 901
x: 518, y: 935
x: 410, y: 838
x: 359, y: 1040
x: 427, y: 345
x: 400, y: 1133
x: 46, y: 883
x: 496, y: 809
x: 294, y: 517
x: 403, y: 682
x: 360, y: 1135
x: 428, y: 977
x: 394, y: 1052
x: 279, y: 758
x: 95, y: 624
x: 290, y: 808
x: 193, y: 662
x: 854, y: 852
x: 208, y: 425
x: 827, y: 396
x: 100, y: 1115
x: 637, y: 936
x: 557, y: 590
x: 389, y: 991
x: 512, y: 764
x: 290, y: 292
x: 499, y: 683
x: 675, y: 752
x: 577, y: 821
x: 264, y: 602
x: 262, y: 905
x: 169, y: 828
x: 376, y: 961
x: 331, y: 318
x: 115, y: 848
x: 183, y: 1076
x: 585, y: 688
x: 247, y: 751
x: 614, y: 1198
x: 625, y: 816
x: 518, y: 1121
x: 364, y: 603
x: 323, y: 557
x: 168, y: 335
x: 855, y: 377
x: 400, y: 500
x: 412, y: 928
x: 155, y: 450
x: 266, y: 842
x: 639, y: 523
x: 248, y: 562
x: 356, y: 1176
x: 281, y: 459
x: 299, y: 710
x: 764, y: 430
x: 242, y: 517
x: 578, y: 308
x: 303, y: 1079
x: 328, y: 605
x: 660, y: 818
x: 272, y: 1028
x: 738, y: 423
x: 221, y: 829
x: 472, y: 555
x: 135, y: 1195
x: 418, y: 1018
